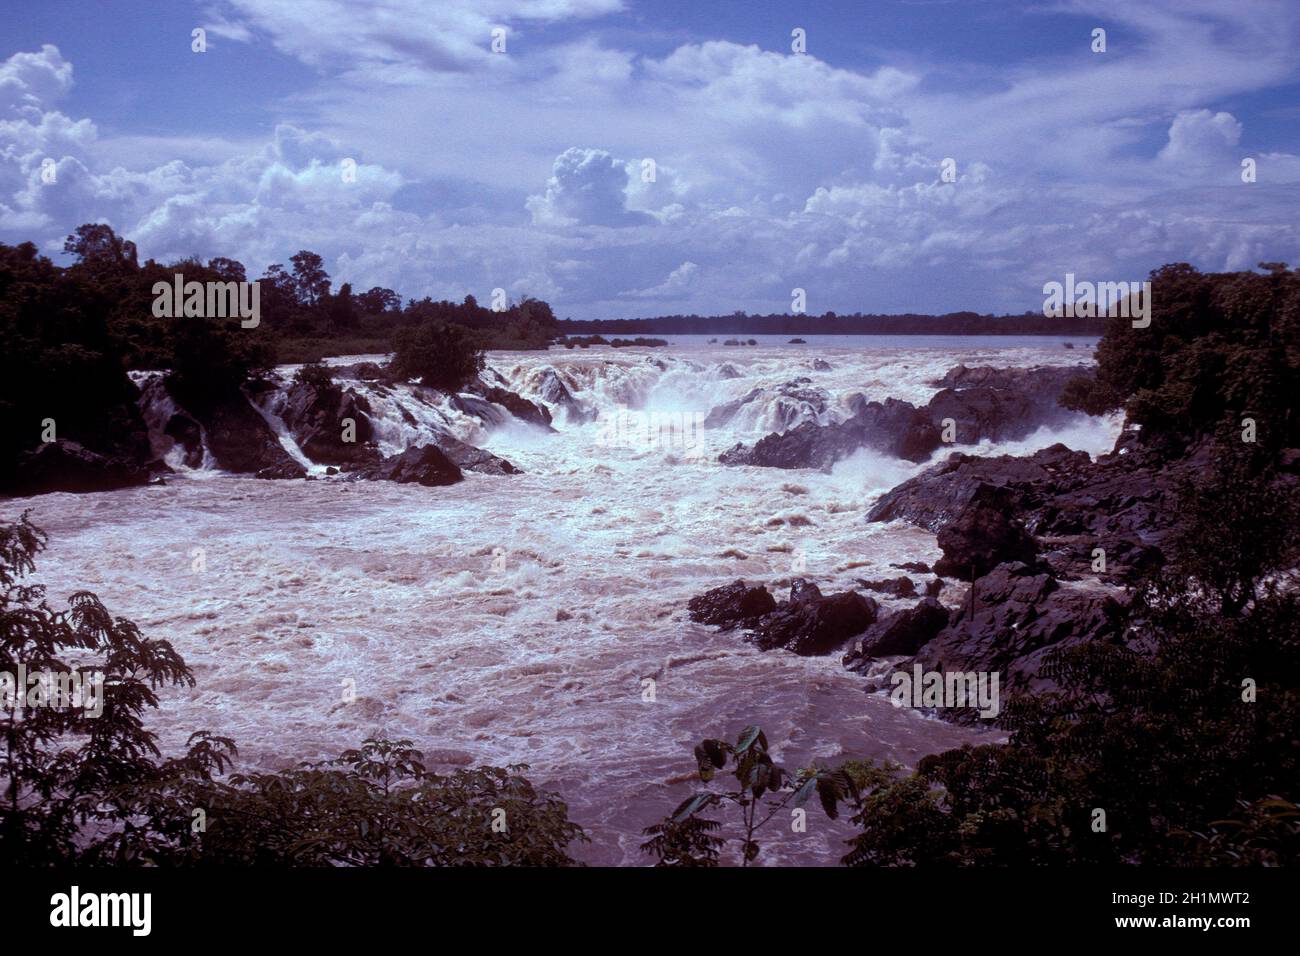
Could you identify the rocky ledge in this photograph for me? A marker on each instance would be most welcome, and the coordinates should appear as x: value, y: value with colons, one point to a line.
x: 974, y: 403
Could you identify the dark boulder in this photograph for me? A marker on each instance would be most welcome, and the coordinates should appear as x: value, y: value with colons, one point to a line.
x: 318, y: 417
x: 425, y: 465
x: 518, y: 406
x: 552, y: 390
x: 361, y: 371
x: 1018, y: 615
x: 937, y: 495
x: 722, y: 414
x: 902, y: 633
x: 68, y: 466
x: 896, y: 428
x: 791, y: 402
x: 982, y: 403
x: 900, y: 586
x: 732, y: 605
x: 984, y: 535
x: 810, y: 623
x: 285, y: 469
x: 237, y: 434
x: 1123, y: 503
x: 470, y: 458
x: 186, y: 432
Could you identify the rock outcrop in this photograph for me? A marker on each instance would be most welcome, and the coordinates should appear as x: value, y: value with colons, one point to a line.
x: 69, y: 466
x: 237, y: 435
x: 978, y: 404
x: 904, y: 632
x: 731, y: 606
x: 808, y: 623
x: 984, y: 535
x: 322, y: 419
x: 1016, y: 617
x: 424, y: 465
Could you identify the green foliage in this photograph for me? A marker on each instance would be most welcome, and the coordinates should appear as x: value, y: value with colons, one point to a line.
x: 378, y: 806
x: 314, y: 374
x: 1219, y: 347
x: 684, y: 838
x: 61, y: 766
x: 439, y: 355
x: 58, y: 358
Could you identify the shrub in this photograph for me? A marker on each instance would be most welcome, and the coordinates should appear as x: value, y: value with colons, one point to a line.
x: 439, y: 354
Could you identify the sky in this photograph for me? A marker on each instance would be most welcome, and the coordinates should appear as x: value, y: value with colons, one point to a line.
x: 624, y: 158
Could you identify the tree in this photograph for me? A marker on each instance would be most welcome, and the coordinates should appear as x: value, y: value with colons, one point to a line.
x: 341, y: 308
x: 377, y: 300
x: 439, y: 354
x: 311, y: 281
x: 228, y: 270
x: 61, y: 764
x: 97, y: 245
x: 1219, y: 348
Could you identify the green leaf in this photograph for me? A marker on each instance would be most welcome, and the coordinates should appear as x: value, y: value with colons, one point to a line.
x: 747, y: 738
x: 691, y: 805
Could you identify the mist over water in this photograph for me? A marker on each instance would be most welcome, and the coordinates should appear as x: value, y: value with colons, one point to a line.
x: 441, y: 603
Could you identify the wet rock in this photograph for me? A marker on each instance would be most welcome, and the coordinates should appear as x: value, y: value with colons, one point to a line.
x: 919, y: 567
x: 486, y: 412
x: 1018, y: 616
x: 361, y: 371
x: 985, y: 534
x: 285, y: 469
x: 982, y: 403
x: 792, y: 401
x: 186, y: 432
x: 811, y: 623
x: 730, y: 606
x: 897, y: 428
x: 722, y: 414
x: 316, y: 415
x: 1123, y: 503
x: 518, y: 406
x: 902, y: 633
x: 552, y: 390
x: 898, y: 587
x: 467, y: 457
x: 937, y: 495
x: 1049, y: 379
x: 238, y: 436
x: 425, y: 465
x: 69, y: 466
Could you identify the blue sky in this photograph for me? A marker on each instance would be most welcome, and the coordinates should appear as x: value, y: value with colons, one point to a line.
x: 773, y: 169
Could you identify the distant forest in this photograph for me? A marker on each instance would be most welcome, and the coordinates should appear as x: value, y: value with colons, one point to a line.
x: 739, y: 323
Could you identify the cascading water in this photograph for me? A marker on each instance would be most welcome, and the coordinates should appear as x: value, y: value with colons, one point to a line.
x: 518, y: 619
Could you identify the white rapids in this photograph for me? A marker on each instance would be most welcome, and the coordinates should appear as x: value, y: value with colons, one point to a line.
x: 515, y: 619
